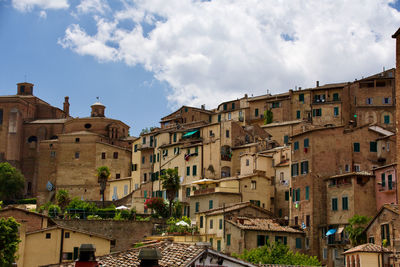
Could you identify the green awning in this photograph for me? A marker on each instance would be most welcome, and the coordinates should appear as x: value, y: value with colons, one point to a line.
x: 190, y: 133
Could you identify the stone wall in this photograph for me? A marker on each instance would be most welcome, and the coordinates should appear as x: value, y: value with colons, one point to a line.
x: 125, y: 233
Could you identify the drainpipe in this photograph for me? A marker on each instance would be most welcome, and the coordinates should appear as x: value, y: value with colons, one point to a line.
x: 61, y: 245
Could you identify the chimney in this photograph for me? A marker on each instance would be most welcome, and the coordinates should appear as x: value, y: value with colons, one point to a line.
x: 25, y: 88
x: 66, y: 106
x: 87, y: 256
x: 317, y: 84
x: 149, y: 257
x: 245, y: 95
x: 203, y: 107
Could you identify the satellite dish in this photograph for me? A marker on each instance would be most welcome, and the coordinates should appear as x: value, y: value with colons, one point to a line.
x: 49, y: 186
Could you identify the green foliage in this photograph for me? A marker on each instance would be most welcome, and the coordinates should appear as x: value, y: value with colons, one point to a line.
x: 9, y: 240
x: 138, y: 245
x: 54, y: 211
x: 44, y: 207
x: 27, y: 201
x: 12, y: 182
x: 173, y: 228
x: 177, y: 208
x: 107, y: 213
x: 141, y: 219
x: 158, y: 205
x: 78, y: 204
x: 170, y: 181
x: 355, y: 229
x: 268, y: 116
x: 277, y: 253
x: 62, y: 198
x: 93, y: 217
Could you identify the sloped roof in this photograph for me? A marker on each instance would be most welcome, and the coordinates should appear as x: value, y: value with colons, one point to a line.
x: 234, y: 207
x: 380, y: 130
x: 69, y: 229
x: 361, y: 173
x: 173, y: 254
x: 48, y: 121
x: 261, y: 224
x: 369, y: 247
x: 395, y: 208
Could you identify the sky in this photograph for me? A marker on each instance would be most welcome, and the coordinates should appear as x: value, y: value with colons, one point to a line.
x: 146, y: 58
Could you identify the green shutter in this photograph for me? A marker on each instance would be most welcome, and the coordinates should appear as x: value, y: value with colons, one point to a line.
x: 335, y: 97
x: 220, y: 223
x: 197, y: 206
x: 194, y: 173
x: 298, y: 114
x: 287, y: 195
x: 296, y: 145
x: 306, y: 142
x: 188, y: 171
x: 386, y: 119
x: 286, y: 139
x: 390, y: 185
x: 298, y: 243
x: 307, y: 192
x: 256, y: 112
x: 373, y: 147
x: 356, y: 147
x: 313, y: 112
x: 345, y: 203
x: 145, y: 193
x: 219, y: 245
x: 336, y: 111
x: 187, y: 191
x: 383, y: 180
x: 219, y: 117
x: 210, y: 204
x: 301, y: 98
x: 228, y: 239
x: 76, y: 253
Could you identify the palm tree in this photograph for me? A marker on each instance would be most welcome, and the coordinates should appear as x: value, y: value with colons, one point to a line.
x: 171, y: 183
x: 103, y: 173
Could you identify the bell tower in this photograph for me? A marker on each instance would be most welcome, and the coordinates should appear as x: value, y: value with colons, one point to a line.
x: 25, y: 88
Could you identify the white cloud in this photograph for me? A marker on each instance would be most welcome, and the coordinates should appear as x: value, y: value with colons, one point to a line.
x: 43, y: 14
x: 93, y: 6
x: 227, y: 48
x: 28, y: 5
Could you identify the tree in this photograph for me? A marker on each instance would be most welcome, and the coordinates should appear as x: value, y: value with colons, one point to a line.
x: 277, y: 253
x: 62, y: 198
x: 103, y: 173
x: 355, y: 229
x: 268, y: 116
x: 158, y: 205
x: 12, y: 182
x: 171, y: 183
x: 9, y: 240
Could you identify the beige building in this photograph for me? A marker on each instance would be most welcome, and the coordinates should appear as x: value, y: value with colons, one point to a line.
x: 367, y: 255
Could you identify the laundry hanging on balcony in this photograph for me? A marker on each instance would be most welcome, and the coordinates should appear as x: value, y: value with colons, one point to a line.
x: 188, y: 134
x: 187, y: 156
x: 330, y: 232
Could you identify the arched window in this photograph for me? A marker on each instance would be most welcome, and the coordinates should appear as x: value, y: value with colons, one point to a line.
x: 32, y: 138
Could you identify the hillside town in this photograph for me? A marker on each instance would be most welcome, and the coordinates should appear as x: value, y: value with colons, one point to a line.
x: 294, y: 168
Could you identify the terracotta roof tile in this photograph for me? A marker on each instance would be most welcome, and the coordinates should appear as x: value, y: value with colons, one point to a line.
x: 261, y: 224
x: 173, y: 254
x: 369, y: 247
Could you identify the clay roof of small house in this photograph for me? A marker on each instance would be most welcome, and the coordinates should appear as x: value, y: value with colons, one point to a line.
x: 369, y: 247
x: 261, y: 224
x: 385, y: 166
x: 233, y: 207
x: 347, y: 174
x: 173, y: 254
x: 32, y: 213
x: 69, y: 229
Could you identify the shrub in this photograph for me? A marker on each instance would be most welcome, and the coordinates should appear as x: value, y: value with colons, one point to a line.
x: 107, y: 213
x: 54, y: 211
x: 93, y: 217
x: 158, y: 205
x: 27, y: 201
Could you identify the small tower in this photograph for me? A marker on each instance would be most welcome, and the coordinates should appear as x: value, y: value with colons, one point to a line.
x: 97, y: 110
x: 25, y: 88
x: 66, y: 106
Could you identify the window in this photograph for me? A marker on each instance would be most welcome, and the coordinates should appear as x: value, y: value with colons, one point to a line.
x: 296, y: 145
x: 77, y: 140
x: 219, y: 245
x: 308, y: 219
x: 386, y: 119
x: 301, y: 98
x: 390, y: 183
x: 287, y: 195
x: 298, y: 243
x: 76, y: 251
x: 225, y: 106
x: 1, y: 116
x: 336, y: 111
x: 48, y: 235
x: 317, y: 112
x: 371, y: 240
x: 335, y: 96
x: 281, y: 239
x: 357, y: 168
x: 306, y: 142
x: 325, y: 253
x: 228, y: 239
x: 334, y: 204
x: 386, y: 100
x: 298, y: 194
x: 117, y: 175
x: 174, y: 137
x: 143, y: 159
x: 369, y: 101
x: 347, y: 168
x: 256, y: 112
x: 210, y: 204
x: 356, y: 147
x: 103, y: 155
x: 211, y: 224
x: 194, y: 170
x: 144, y: 140
x: 77, y: 154
x: 229, y: 117
x: 260, y: 240
x: 373, y: 147
x: 158, y: 157
x: 286, y: 139
x: 187, y: 171
x: 220, y: 223
x: 134, y: 167
x: 66, y: 234
x: 145, y: 177
x: 201, y: 221
x: 385, y: 233
x: 125, y: 190
x: 253, y: 185
x: 52, y: 154
x: 115, y: 155
x: 211, y: 241
x: 187, y: 191
x: 227, y: 133
x: 345, y: 203
x: 151, y: 158
x: 219, y: 117
x: 295, y: 169
x: 276, y: 104
x: 256, y: 202
x: 298, y: 114
x: 247, y: 162
x: 307, y: 192
x: 304, y: 167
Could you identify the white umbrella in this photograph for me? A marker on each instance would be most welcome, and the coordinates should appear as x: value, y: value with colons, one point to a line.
x: 182, y: 223
x: 122, y: 208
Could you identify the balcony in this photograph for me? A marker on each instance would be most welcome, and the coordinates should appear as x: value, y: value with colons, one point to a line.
x: 387, y: 188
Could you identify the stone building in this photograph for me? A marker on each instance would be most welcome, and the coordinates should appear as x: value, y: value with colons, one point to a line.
x: 25, y: 120
x: 386, y: 185
x: 70, y: 160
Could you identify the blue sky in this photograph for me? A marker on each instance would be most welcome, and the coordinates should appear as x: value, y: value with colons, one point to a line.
x: 146, y: 58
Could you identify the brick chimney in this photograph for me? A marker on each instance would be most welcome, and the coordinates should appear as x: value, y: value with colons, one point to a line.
x: 396, y: 35
x: 66, y: 106
x: 149, y: 257
x: 25, y: 88
x: 87, y: 256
